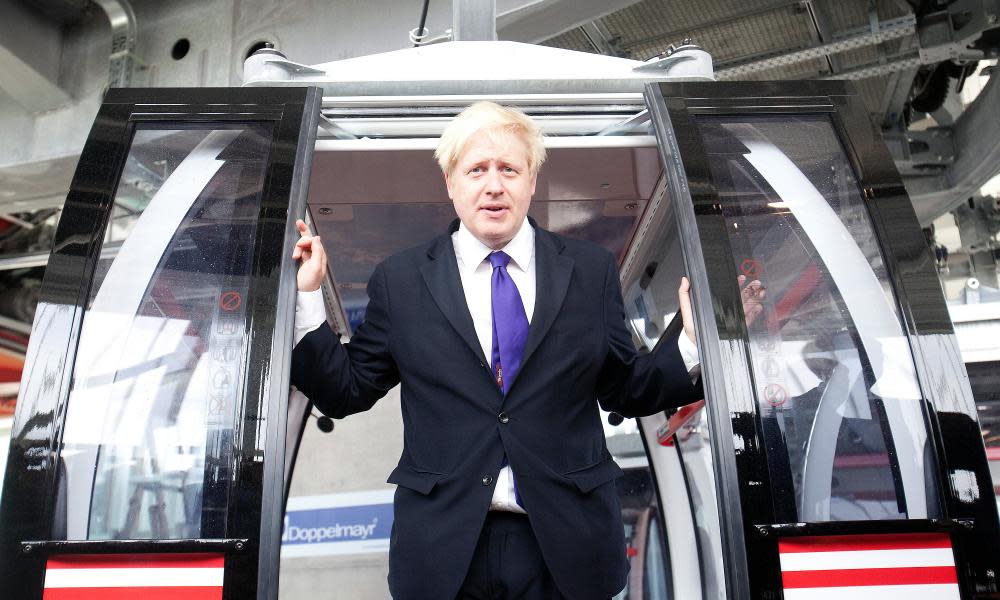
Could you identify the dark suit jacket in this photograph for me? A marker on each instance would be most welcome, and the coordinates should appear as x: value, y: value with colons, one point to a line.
x: 457, y: 425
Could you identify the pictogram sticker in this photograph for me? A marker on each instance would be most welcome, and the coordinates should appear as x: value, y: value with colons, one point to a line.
x: 751, y: 268
x: 766, y: 343
x: 230, y: 301
x: 216, y: 404
x: 771, y: 368
x: 775, y: 394
x: 221, y: 379
x: 227, y: 326
x: 226, y: 353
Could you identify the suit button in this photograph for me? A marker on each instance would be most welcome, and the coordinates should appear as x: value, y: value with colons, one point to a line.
x: 487, y: 479
x: 503, y: 418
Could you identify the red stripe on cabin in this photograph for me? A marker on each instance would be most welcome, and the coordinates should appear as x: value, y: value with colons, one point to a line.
x: 847, y: 543
x: 145, y: 593
x: 136, y: 561
x: 859, y: 577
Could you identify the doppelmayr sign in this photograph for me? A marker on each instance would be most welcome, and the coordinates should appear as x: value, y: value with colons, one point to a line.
x: 350, y: 523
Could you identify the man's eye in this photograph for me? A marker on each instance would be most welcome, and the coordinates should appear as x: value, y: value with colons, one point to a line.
x: 509, y: 170
x: 476, y: 170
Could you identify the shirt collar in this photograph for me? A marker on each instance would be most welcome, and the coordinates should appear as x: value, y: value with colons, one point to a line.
x: 473, y: 252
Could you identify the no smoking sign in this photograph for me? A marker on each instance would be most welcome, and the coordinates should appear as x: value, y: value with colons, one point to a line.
x: 751, y: 268
x: 230, y: 301
x: 775, y: 394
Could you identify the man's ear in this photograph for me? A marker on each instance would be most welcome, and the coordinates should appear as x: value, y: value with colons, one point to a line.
x: 534, y: 180
x: 447, y: 184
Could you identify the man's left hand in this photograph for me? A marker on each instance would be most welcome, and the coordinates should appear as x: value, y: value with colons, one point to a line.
x: 684, y: 296
x: 751, y: 294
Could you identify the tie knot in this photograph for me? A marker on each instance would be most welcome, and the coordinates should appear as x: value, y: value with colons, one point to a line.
x: 499, y: 259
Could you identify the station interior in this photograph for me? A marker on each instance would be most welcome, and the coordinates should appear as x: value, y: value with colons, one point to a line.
x: 925, y: 71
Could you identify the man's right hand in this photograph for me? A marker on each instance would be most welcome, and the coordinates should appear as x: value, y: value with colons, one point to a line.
x: 312, y: 259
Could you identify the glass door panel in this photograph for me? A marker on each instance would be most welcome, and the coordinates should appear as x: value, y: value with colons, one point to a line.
x: 838, y: 398
x: 147, y: 449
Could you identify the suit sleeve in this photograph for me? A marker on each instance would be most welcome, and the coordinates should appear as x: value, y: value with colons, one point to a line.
x: 343, y: 379
x: 633, y: 384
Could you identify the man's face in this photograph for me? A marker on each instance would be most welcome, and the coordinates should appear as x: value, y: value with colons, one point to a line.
x: 491, y: 187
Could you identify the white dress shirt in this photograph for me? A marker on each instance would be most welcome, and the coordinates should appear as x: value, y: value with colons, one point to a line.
x: 476, y: 274
x: 477, y: 278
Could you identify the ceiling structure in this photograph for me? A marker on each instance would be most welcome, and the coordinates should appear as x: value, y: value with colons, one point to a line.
x: 908, y: 59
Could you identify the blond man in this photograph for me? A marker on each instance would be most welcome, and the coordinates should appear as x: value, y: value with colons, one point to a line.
x: 505, y: 339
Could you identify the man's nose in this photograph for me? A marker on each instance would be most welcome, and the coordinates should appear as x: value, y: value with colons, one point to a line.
x: 494, y: 184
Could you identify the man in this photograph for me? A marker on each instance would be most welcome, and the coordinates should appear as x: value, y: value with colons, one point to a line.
x: 502, y: 336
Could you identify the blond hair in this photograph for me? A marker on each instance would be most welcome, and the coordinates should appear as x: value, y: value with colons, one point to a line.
x: 494, y: 119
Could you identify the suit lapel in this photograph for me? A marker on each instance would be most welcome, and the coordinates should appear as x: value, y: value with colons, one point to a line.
x: 553, y: 271
x: 552, y: 274
x: 445, y: 284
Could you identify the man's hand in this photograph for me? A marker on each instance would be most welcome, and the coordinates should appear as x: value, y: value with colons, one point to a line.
x: 309, y: 251
x: 752, y: 296
x: 684, y: 296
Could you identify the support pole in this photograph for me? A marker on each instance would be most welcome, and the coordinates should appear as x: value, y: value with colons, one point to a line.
x: 474, y: 20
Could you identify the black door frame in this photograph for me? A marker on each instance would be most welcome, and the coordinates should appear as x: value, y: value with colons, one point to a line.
x: 749, y: 530
x: 253, y: 526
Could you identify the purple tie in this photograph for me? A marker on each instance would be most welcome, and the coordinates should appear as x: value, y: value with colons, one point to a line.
x: 510, y: 323
x: 510, y: 332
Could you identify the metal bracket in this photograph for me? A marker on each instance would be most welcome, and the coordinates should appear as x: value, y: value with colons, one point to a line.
x: 670, y: 57
x: 943, y: 37
x: 123, y: 33
x: 640, y: 118
x: 334, y: 129
x: 925, y: 152
x: 293, y: 67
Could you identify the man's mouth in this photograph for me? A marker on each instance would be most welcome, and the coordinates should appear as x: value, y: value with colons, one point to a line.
x: 494, y: 208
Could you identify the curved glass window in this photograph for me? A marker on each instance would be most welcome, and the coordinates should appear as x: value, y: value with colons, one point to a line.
x: 148, y: 445
x: 841, y: 410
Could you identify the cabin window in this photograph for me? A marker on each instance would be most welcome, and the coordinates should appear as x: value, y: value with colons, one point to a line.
x: 147, y: 451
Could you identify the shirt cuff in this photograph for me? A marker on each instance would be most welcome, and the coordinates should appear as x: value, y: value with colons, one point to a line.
x: 310, y: 313
x: 689, y: 354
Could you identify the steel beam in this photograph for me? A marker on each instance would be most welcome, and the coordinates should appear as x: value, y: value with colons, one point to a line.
x: 690, y: 32
x: 123, y: 28
x: 897, y: 92
x: 821, y: 30
x: 30, y: 51
x: 977, y: 159
x: 601, y: 39
x: 535, y: 21
x: 902, y: 63
x: 474, y: 20
x: 887, y: 30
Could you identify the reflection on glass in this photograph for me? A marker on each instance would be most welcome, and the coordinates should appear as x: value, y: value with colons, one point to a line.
x: 654, y: 580
x: 649, y: 291
x: 147, y: 449
x: 840, y: 407
x: 649, y: 288
x: 695, y: 445
x: 645, y: 546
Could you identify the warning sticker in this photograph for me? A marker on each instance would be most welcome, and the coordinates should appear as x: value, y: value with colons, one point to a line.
x: 230, y: 301
x: 775, y: 395
x: 751, y: 268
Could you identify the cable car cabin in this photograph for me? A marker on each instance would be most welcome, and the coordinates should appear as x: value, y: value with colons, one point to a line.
x: 836, y: 451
